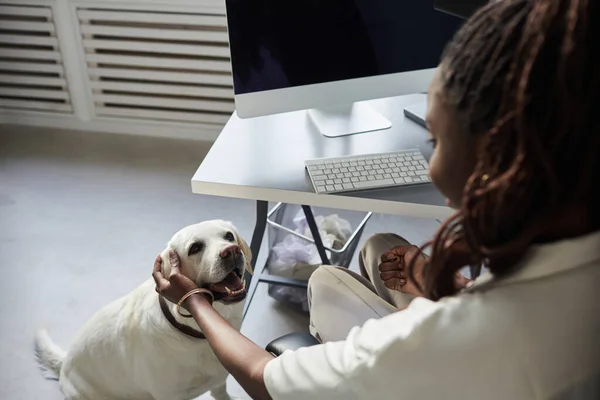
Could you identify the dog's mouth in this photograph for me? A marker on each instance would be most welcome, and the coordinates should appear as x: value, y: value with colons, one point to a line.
x: 232, y: 289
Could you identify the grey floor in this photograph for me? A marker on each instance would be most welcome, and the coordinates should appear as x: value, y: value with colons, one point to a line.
x: 82, y: 217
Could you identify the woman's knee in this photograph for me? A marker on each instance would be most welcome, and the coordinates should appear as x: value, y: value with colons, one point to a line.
x: 321, y: 278
x: 383, y: 242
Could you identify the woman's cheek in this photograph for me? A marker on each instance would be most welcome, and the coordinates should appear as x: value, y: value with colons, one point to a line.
x: 434, y: 169
x: 441, y: 175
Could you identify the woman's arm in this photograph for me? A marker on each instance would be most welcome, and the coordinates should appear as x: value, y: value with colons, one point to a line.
x: 239, y: 355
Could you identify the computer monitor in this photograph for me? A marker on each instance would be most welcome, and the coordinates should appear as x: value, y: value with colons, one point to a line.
x: 328, y: 55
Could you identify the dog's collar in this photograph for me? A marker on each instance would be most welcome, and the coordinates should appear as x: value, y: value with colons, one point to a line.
x: 185, y: 329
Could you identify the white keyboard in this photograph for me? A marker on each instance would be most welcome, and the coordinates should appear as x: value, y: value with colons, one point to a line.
x: 374, y: 171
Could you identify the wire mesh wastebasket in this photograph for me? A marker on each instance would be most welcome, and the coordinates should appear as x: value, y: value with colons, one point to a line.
x: 293, y: 253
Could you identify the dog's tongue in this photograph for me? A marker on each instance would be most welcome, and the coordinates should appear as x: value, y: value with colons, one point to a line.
x: 231, y: 282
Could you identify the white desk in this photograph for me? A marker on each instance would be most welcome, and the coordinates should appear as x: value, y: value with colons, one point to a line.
x: 262, y: 159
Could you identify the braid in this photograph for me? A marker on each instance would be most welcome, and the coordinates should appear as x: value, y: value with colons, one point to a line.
x: 523, y: 75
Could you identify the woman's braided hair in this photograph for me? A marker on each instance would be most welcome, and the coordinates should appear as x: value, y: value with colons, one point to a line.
x: 523, y: 75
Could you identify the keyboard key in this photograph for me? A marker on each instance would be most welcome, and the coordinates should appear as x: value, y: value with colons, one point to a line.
x: 345, y: 164
x: 422, y: 172
x: 387, y: 176
x: 364, y: 173
x: 379, y: 177
x: 395, y: 175
x: 330, y: 188
x: 321, y: 188
x: 411, y: 173
x: 329, y: 181
x: 353, y: 164
x: 403, y: 174
x: 320, y: 178
x: 356, y: 173
x: 360, y: 168
x: 412, y: 168
x: 354, y: 179
x: 352, y: 169
x: 313, y: 167
x: 346, y: 180
x: 399, y: 181
x: 424, y: 178
x: 408, y: 179
x: 335, y: 170
x: 348, y: 186
x: 406, y: 163
x: 317, y: 172
x: 373, y: 184
x: 343, y: 169
x: 337, y: 180
x: 339, y: 187
x: 363, y: 178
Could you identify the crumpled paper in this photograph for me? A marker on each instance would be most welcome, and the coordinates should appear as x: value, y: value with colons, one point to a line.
x: 296, y: 258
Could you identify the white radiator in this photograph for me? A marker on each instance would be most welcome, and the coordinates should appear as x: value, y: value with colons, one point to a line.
x: 172, y: 66
x: 158, y: 67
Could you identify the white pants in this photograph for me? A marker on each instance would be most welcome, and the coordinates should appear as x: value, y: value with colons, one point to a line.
x: 340, y: 299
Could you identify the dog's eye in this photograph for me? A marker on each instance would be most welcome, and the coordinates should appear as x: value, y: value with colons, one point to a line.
x: 229, y: 237
x: 195, y: 248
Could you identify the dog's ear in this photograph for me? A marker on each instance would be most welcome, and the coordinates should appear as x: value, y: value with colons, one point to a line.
x: 166, y: 263
x: 247, y: 252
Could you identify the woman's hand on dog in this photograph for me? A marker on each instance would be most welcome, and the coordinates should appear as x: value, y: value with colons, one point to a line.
x: 177, y: 284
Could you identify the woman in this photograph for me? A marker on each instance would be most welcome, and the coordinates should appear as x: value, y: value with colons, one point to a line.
x: 512, y: 119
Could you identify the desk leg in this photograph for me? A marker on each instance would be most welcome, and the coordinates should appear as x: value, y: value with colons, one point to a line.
x: 252, y: 281
x: 314, y: 230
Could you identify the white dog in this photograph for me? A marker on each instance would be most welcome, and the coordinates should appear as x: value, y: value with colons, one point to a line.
x: 133, y: 349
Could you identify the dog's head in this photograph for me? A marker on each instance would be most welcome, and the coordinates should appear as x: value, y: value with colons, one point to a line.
x: 214, y: 256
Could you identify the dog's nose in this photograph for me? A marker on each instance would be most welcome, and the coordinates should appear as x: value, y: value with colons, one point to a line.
x: 231, y: 251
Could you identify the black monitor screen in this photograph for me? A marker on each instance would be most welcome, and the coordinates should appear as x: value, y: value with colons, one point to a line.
x: 278, y: 44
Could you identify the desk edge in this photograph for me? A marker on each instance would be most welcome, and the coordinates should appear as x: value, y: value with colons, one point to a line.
x: 328, y: 201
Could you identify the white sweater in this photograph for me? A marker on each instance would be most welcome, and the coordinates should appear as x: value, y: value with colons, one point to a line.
x: 532, y: 335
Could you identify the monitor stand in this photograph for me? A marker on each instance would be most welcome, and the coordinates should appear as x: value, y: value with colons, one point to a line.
x: 348, y: 120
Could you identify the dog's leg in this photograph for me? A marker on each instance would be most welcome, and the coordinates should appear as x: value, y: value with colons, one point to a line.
x: 220, y: 392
